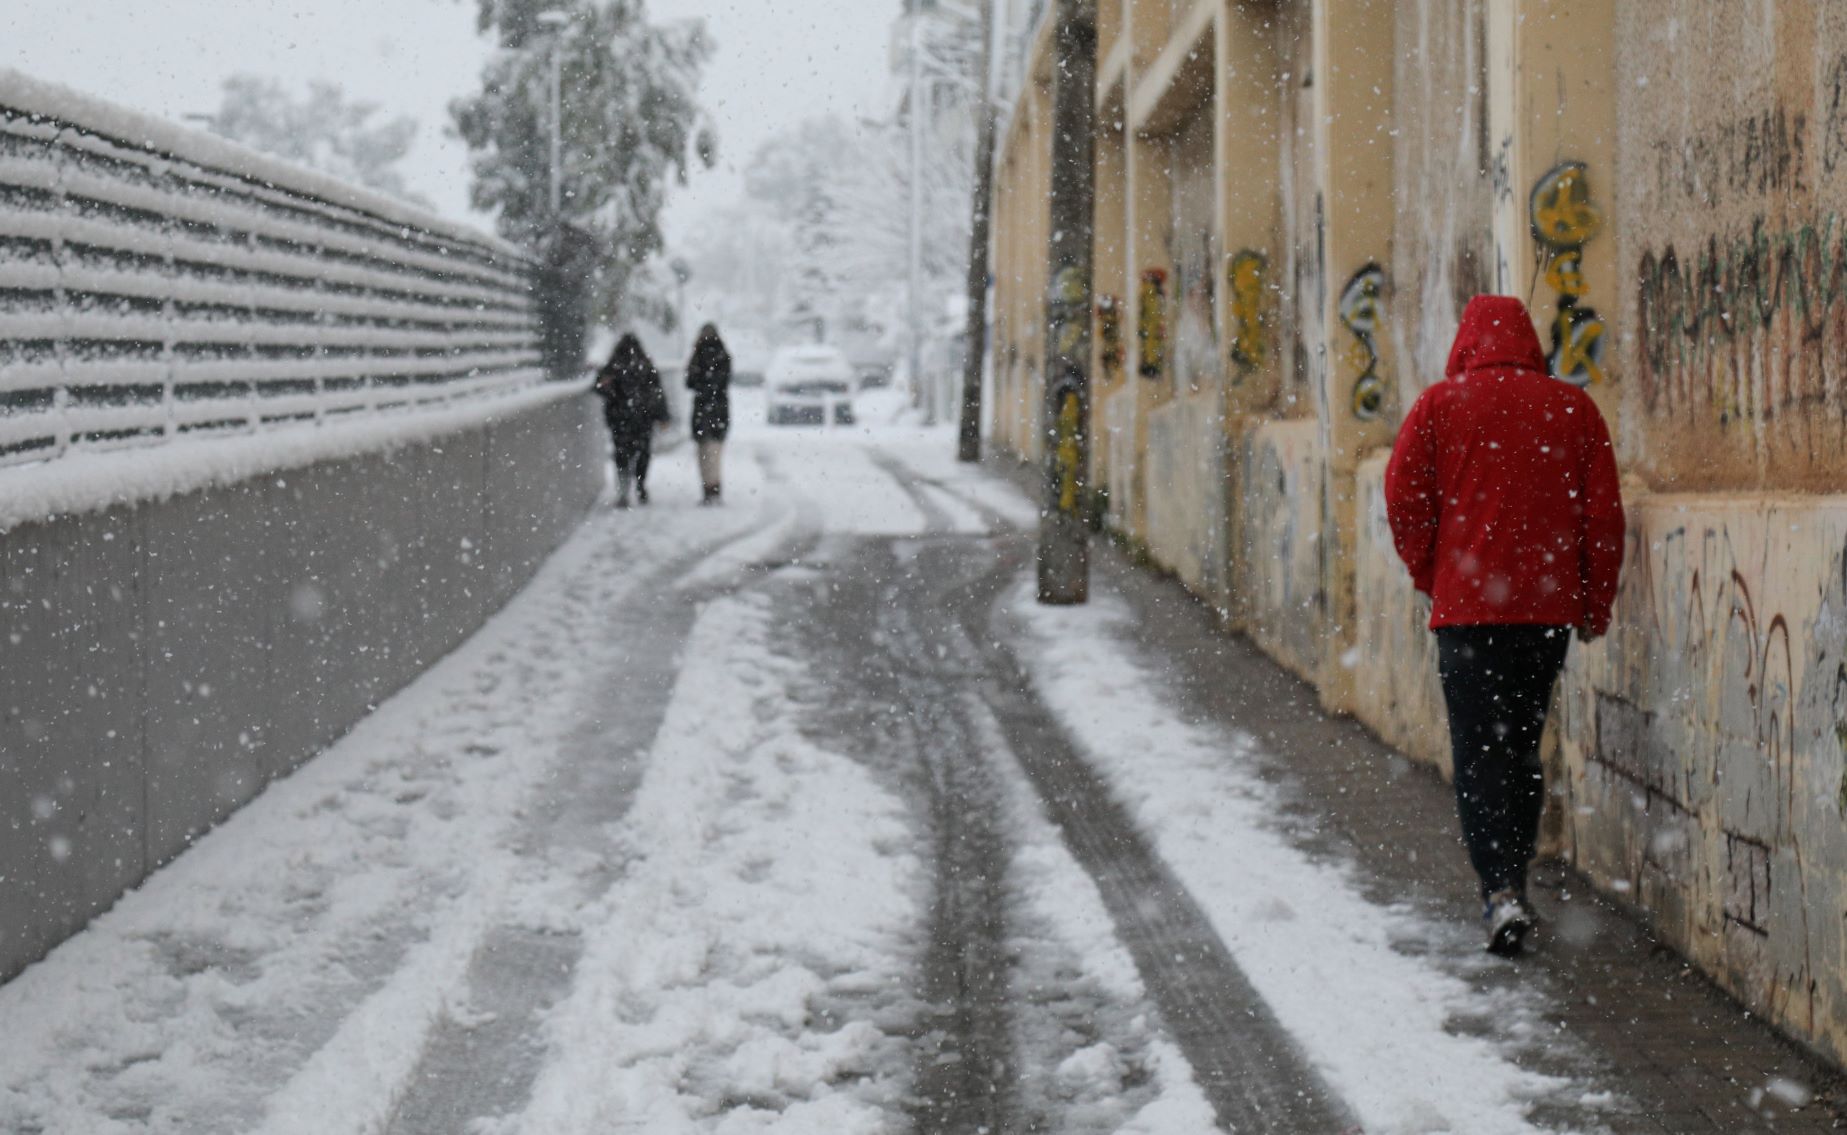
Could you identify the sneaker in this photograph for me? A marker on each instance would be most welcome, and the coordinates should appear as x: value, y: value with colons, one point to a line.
x: 622, y: 502
x: 641, y: 495
x: 1509, y: 920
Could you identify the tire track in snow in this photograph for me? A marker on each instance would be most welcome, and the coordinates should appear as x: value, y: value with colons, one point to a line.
x: 1250, y: 1069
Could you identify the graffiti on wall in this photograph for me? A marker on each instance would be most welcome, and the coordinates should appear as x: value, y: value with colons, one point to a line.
x: 1246, y: 283
x: 1563, y: 221
x: 1760, y: 153
x: 1693, y: 311
x: 1110, y: 353
x: 1067, y: 308
x: 1151, y: 323
x: 1068, y: 450
x: 1359, y: 314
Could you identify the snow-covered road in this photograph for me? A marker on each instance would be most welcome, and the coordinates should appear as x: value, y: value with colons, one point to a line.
x: 790, y: 815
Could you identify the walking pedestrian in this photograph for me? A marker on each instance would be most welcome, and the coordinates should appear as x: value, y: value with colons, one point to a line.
x: 1505, y: 505
x: 634, y: 404
x: 708, y: 375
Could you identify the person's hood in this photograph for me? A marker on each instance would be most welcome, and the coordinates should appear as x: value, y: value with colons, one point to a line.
x: 1496, y: 331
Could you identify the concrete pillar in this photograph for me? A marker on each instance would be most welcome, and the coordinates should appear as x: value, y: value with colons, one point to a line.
x: 1552, y: 117
x: 1110, y: 269
x: 1150, y: 327
x: 1249, y: 216
x: 1247, y: 157
x: 1352, y: 98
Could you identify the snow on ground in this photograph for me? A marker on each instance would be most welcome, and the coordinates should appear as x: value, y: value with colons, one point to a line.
x: 283, y: 973
x: 930, y: 454
x: 750, y: 937
x: 1372, y: 1020
x: 1070, y: 953
x: 768, y: 876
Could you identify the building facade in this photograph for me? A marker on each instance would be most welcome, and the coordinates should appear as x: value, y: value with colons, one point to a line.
x: 1295, y: 199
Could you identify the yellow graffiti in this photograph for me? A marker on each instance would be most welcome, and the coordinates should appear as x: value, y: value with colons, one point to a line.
x: 1109, y: 336
x: 1249, y: 343
x: 1151, y: 323
x: 1562, y: 213
x: 1565, y: 272
x: 1069, y: 419
x: 1563, y: 219
x: 1577, y: 345
x: 1070, y: 297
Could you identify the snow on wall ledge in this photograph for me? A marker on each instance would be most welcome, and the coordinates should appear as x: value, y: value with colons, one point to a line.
x: 166, y: 659
x: 158, y: 285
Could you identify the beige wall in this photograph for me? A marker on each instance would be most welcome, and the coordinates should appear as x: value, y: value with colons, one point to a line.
x: 1731, y: 176
x: 1666, y: 182
x: 1443, y: 231
x: 1705, y: 745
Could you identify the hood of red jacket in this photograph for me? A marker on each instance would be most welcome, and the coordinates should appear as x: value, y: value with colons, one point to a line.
x: 1496, y: 331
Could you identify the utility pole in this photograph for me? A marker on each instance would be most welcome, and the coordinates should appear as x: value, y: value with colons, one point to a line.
x: 557, y: 121
x: 918, y: 393
x: 975, y: 339
x: 1064, y: 538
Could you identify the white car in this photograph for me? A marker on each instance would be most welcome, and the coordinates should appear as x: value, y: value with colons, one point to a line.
x: 810, y: 385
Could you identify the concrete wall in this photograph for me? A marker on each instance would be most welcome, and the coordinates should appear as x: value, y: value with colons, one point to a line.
x: 1705, y: 745
x: 1394, y: 660
x: 1666, y: 182
x: 1731, y: 178
x: 1187, y: 517
x: 1280, y: 566
x: 164, y: 662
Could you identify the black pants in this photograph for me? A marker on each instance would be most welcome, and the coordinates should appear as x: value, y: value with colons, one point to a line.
x: 1497, y: 681
x: 633, y: 452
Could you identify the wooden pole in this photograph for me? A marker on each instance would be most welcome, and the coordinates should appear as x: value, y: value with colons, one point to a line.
x: 968, y: 446
x: 1064, y: 537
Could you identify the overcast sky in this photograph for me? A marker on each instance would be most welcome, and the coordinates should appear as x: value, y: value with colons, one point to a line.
x: 778, y: 61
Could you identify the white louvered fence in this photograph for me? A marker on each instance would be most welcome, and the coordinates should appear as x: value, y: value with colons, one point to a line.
x: 157, y: 283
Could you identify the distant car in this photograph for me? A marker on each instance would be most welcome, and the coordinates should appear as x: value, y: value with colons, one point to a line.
x: 747, y: 378
x: 809, y: 386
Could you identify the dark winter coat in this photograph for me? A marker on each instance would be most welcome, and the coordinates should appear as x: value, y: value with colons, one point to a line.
x: 708, y: 376
x: 1502, y: 492
x: 633, y: 398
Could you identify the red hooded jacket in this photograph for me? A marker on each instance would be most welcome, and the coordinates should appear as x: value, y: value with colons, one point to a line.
x: 1502, y: 491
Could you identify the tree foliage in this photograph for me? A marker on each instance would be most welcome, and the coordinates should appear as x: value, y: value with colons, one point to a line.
x: 321, y: 130
x: 822, y: 240
x: 629, y: 129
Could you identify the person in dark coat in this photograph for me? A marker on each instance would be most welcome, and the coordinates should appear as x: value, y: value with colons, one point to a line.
x: 708, y: 375
x: 1505, y: 504
x: 634, y: 404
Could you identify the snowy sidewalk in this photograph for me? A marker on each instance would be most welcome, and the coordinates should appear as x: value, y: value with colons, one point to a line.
x: 798, y: 815
x: 1654, y: 1046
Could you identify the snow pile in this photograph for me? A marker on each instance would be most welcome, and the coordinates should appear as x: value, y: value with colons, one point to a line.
x: 1373, y: 1021
x: 770, y: 881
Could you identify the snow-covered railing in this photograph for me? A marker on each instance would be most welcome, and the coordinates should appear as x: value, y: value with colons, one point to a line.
x: 157, y: 282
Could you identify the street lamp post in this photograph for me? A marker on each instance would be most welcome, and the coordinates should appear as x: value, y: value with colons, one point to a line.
x: 556, y: 20
x: 915, y: 304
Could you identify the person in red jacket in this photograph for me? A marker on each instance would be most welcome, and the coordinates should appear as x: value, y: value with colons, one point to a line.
x: 1505, y: 505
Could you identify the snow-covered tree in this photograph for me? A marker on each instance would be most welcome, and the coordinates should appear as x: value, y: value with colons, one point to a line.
x: 629, y: 127
x: 837, y: 199
x: 321, y: 130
